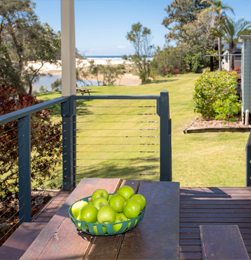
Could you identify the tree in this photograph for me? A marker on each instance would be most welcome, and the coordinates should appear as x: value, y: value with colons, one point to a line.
x: 196, y: 59
x: 140, y: 37
x: 230, y: 31
x: 23, y: 39
x: 181, y: 15
x: 217, y: 8
x: 169, y: 57
x: 46, y: 143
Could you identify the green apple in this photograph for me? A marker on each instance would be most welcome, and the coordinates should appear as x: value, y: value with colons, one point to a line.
x: 131, y: 208
x: 76, y: 207
x: 110, y: 197
x: 95, y: 228
x: 80, y: 228
x: 120, y: 217
x: 100, y: 193
x: 88, y: 214
x: 90, y: 202
x: 117, y: 201
x: 126, y: 191
x: 99, y: 203
x: 141, y: 199
x: 134, y: 223
x: 106, y: 215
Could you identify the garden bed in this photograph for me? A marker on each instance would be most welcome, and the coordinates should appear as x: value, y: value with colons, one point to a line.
x: 200, y: 125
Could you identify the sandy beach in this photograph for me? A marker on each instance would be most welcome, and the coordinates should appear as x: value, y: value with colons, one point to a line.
x: 55, y: 70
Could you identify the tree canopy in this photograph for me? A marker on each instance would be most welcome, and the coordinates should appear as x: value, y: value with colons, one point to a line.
x: 180, y: 13
x: 22, y: 39
x: 141, y: 38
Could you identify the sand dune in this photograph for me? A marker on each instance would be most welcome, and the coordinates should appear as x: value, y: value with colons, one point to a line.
x: 127, y: 79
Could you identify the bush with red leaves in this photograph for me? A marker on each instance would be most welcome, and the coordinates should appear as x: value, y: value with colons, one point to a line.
x: 237, y: 69
x: 46, y: 147
x: 176, y: 71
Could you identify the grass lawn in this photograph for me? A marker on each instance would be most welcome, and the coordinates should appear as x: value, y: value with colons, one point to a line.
x: 115, y: 138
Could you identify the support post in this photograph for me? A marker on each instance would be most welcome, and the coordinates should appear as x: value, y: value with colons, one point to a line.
x: 68, y: 51
x: 165, y: 137
x: 24, y: 151
x: 248, y: 162
x: 68, y: 111
x: 245, y: 73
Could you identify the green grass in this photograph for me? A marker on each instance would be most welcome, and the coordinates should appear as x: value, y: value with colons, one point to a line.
x: 105, y: 128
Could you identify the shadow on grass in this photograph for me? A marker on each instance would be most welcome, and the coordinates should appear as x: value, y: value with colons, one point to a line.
x: 132, y: 171
x: 156, y: 81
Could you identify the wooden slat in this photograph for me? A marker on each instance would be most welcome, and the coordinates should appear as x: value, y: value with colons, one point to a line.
x: 190, y: 256
x: 186, y: 242
x: 215, y: 202
x: 190, y: 248
x: 197, y: 230
x: 215, y: 215
x: 216, y: 220
x: 108, y: 248
x: 222, y: 242
x: 217, y: 206
x: 155, y: 239
x: 221, y: 198
x: 59, y: 239
x: 21, y: 239
x: 213, y: 211
x: 51, y: 207
x: 197, y: 224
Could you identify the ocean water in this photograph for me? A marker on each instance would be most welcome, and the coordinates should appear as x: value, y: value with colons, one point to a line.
x: 47, y: 80
x: 118, y: 58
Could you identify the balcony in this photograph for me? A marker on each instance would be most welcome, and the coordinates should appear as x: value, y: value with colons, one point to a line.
x: 198, y: 206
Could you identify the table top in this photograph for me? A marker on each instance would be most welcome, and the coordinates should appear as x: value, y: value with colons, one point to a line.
x: 156, y: 237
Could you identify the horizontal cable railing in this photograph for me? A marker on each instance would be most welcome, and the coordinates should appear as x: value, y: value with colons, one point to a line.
x: 30, y: 162
x: 54, y: 152
x: 115, y: 136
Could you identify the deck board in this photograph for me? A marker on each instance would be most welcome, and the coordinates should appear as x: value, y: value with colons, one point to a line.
x: 212, y: 206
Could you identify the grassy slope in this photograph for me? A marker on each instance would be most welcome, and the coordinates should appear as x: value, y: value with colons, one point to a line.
x: 210, y: 159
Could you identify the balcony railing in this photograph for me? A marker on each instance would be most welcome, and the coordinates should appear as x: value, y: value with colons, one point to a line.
x: 69, y: 142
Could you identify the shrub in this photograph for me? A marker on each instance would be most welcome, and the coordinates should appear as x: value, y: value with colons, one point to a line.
x: 212, y: 89
x: 45, y: 142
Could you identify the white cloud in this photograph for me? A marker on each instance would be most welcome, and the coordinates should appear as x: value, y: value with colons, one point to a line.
x: 121, y: 47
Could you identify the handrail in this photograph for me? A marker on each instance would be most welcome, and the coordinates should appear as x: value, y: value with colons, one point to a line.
x: 68, y: 113
x: 30, y: 110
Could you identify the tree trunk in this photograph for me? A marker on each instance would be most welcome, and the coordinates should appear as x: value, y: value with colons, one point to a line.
x: 30, y: 89
x: 220, y: 52
x: 231, y: 60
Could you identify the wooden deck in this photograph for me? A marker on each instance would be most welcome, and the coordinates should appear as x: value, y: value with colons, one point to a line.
x: 52, y: 207
x: 212, y: 206
x: 198, y: 206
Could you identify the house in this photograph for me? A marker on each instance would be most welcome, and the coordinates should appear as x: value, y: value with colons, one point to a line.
x: 226, y: 59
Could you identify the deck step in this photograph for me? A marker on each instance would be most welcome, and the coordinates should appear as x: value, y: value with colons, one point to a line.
x: 221, y: 242
x: 21, y: 239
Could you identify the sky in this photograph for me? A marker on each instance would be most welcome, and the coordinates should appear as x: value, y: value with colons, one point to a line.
x: 102, y: 25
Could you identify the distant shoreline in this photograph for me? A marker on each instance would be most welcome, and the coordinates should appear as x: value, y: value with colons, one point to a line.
x: 55, y: 70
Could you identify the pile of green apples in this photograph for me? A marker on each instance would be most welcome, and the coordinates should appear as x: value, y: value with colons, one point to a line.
x: 105, y: 209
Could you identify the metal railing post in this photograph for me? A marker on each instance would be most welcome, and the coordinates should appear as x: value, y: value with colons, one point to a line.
x: 248, y: 162
x: 68, y: 111
x: 165, y: 137
x: 24, y: 151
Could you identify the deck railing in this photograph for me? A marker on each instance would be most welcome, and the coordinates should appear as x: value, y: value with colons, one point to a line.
x: 69, y: 137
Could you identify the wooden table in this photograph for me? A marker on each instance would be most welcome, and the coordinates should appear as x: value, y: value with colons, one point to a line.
x: 156, y: 237
x: 84, y: 90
